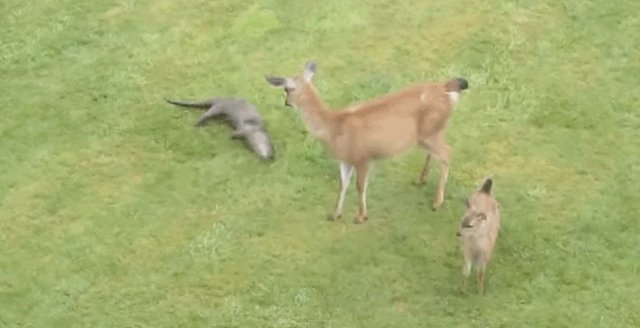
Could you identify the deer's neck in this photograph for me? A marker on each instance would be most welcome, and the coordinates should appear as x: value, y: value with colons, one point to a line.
x: 316, y: 116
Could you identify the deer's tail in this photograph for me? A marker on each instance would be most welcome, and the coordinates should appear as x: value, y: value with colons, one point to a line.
x: 456, y: 85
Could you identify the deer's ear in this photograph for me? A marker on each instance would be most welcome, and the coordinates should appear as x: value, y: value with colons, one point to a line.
x: 283, y: 82
x: 276, y: 80
x: 309, y: 70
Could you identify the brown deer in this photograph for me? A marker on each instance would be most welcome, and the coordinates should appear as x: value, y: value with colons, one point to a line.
x: 376, y: 128
x: 478, y: 231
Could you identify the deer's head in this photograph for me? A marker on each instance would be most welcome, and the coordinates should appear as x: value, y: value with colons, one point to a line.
x: 295, y: 87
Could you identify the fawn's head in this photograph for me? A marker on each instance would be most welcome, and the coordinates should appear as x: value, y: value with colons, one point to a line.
x: 474, y: 218
x: 295, y: 87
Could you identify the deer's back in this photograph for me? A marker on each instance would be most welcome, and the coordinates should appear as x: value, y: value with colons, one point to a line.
x: 391, y: 124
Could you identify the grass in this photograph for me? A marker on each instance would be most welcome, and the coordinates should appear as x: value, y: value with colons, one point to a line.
x: 116, y: 212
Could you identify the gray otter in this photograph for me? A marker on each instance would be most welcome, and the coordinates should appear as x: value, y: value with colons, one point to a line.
x: 241, y: 115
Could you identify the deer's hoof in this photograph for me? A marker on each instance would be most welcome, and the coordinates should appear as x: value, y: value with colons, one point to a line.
x: 419, y: 182
x: 334, y: 217
x: 360, y: 219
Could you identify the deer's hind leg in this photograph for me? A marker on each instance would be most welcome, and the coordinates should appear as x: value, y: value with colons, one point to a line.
x: 424, y: 173
x: 362, y: 175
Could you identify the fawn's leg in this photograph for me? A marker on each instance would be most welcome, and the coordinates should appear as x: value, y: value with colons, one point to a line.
x: 362, y: 172
x: 481, y: 280
x: 346, y: 171
x: 466, y: 270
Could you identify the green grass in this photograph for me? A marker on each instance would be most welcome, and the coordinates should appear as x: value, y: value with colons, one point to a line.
x: 116, y: 212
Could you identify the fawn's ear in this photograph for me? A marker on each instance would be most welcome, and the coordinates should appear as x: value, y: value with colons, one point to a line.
x: 487, y: 185
x: 465, y: 200
x: 309, y: 70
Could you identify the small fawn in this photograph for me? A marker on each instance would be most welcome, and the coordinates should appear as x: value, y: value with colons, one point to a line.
x: 377, y: 128
x: 478, y: 231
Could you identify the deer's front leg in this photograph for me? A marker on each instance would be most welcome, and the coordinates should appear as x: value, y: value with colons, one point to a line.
x: 346, y: 171
x: 442, y: 153
x: 422, y: 178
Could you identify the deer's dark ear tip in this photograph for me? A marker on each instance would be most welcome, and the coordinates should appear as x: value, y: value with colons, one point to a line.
x: 273, y: 80
x: 310, y: 65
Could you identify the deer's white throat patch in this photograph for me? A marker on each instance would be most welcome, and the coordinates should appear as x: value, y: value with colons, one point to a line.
x: 453, y: 97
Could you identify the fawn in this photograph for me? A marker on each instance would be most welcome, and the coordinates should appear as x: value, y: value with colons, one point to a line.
x: 478, y: 231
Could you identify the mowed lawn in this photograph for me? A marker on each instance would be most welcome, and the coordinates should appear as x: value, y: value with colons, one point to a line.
x: 116, y: 212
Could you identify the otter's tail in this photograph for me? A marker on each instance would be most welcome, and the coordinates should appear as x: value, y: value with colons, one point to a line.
x: 193, y: 104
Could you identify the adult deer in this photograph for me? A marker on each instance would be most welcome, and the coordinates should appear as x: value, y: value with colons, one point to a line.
x: 377, y: 128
